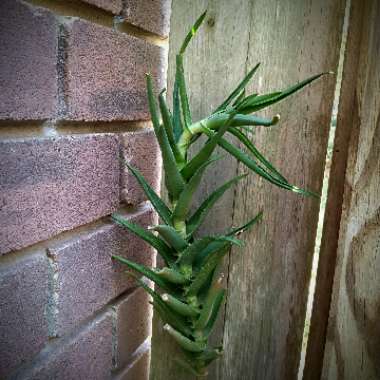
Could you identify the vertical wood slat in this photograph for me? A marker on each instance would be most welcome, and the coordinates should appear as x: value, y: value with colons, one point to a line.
x: 330, y: 234
x: 353, y: 335
x: 211, y: 71
x: 268, y: 281
x: 267, y: 292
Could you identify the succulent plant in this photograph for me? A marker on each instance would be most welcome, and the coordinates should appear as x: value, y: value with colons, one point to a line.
x: 190, y: 283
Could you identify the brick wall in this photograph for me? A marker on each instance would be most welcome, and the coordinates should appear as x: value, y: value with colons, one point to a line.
x: 73, y: 101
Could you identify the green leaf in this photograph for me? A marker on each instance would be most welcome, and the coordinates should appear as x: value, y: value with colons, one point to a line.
x: 192, y: 32
x: 188, y: 255
x: 198, y: 217
x: 211, y: 301
x: 204, y: 154
x: 238, y: 90
x: 147, y: 272
x: 179, y: 306
x: 153, y: 240
x: 173, y: 276
x: 177, y: 122
x: 243, y: 228
x: 209, y: 355
x: 209, y: 264
x: 166, y: 314
x: 158, y: 204
x: 214, y: 313
x: 180, y: 78
x: 260, y: 102
x: 251, y: 164
x: 173, y: 179
x: 248, y: 144
x: 168, y: 125
x: 186, y: 343
x: 184, y: 201
x: 172, y: 237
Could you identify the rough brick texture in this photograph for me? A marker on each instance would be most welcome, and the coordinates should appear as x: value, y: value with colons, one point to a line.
x: 49, y: 185
x: 85, y: 356
x: 133, y: 315
x: 140, y: 149
x: 86, y: 276
x: 28, y: 61
x: 106, y: 73
x: 139, y: 370
x: 151, y: 15
x: 114, y: 6
x: 23, y: 303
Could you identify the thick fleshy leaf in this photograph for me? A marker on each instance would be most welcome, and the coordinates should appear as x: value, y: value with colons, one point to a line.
x: 167, y: 121
x: 166, y: 313
x: 171, y: 236
x: 198, y: 217
x: 244, y: 227
x: 263, y: 101
x: 214, y: 313
x: 206, y: 151
x: 180, y: 78
x: 173, y: 179
x: 209, y: 304
x: 184, y: 201
x: 186, y: 343
x: 238, y: 90
x: 249, y: 145
x: 180, y: 307
x: 147, y: 272
x: 177, y: 121
x: 192, y: 32
x: 173, y: 276
x: 153, y: 240
x: 251, y: 164
x: 189, y: 254
x: 208, y: 266
x: 158, y: 204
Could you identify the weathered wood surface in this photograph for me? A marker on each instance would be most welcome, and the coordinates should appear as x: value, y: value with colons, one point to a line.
x: 268, y: 280
x: 333, y: 210
x: 353, y: 340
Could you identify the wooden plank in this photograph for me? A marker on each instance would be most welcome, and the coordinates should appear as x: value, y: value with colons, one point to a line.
x: 214, y: 63
x: 269, y: 281
x: 333, y: 211
x: 353, y: 337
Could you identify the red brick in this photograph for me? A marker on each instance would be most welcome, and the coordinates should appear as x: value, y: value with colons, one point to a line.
x: 139, y: 370
x: 86, y: 277
x: 49, y: 185
x: 114, y: 6
x: 87, y: 355
x: 133, y: 325
x: 151, y: 15
x: 23, y: 303
x: 141, y: 150
x: 28, y: 61
x: 105, y: 73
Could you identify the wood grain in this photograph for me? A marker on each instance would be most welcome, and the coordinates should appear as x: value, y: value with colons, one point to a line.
x: 269, y: 281
x: 353, y: 338
x: 333, y: 210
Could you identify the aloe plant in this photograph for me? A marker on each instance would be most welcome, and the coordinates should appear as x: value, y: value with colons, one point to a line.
x: 191, y: 291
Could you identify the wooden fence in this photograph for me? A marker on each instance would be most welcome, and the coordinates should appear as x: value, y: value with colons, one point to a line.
x: 267, y: 283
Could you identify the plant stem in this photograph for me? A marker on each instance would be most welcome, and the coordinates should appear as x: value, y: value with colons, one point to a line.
x: 216, y: 121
